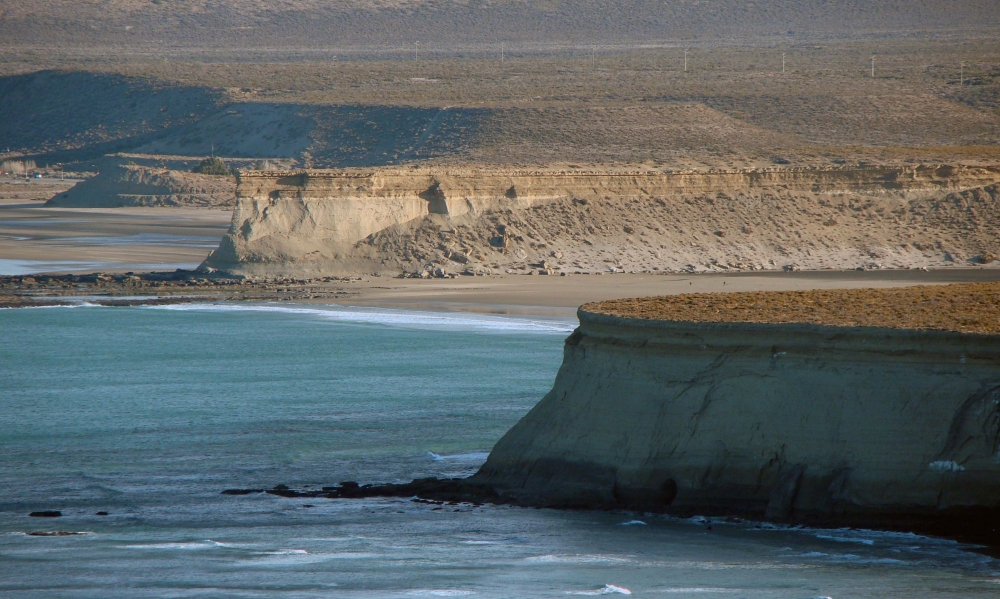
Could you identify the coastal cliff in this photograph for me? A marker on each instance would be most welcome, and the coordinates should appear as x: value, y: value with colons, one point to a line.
x: 474, y: 220
x: 785, y: 421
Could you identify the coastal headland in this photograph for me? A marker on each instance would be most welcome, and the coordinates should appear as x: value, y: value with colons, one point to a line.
x: 827, y: 407
x: 865, y: 413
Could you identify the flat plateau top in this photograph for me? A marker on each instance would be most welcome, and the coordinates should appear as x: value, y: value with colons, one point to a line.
x: 966, y: 308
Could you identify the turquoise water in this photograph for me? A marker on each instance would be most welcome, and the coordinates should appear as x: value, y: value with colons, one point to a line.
x: 148, y: 413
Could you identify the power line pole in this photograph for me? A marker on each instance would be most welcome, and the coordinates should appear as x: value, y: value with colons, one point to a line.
x: 873, y: 66
x: 593, y: 56
x: 501, y: 53
x: 782, y: 62
x: 961, y: 77
x: 685, y: 61
x: 416, y: 46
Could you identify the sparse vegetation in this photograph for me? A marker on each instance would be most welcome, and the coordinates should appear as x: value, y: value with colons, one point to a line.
x: 637, y: 105
x: 969, y: 308
x: 212, y: 166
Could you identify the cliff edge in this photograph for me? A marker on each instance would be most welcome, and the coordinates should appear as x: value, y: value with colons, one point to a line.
x: 424, y: 220
x: 780, y: 420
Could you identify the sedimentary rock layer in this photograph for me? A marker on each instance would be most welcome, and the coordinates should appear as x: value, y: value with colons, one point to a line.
x: 121, y: 183
x: 398, y: 220
x: 793, y: 422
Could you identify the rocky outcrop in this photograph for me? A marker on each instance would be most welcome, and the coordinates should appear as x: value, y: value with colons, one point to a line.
x: 407, y: 220
x: 122, y: 182
x: 788, y: 422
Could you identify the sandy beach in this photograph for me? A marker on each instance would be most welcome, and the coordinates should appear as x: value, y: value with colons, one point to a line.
x: 35, y: 238
x: 502, y: 294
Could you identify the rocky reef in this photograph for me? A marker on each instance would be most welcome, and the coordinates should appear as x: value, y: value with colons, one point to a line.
x: 434, y: 219
x: 792, y: 422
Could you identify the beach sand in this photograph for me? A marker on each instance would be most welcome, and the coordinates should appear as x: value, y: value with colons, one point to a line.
x: 35, y: 238
x: 560, y: 296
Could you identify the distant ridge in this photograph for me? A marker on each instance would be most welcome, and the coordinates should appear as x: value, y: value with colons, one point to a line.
x: 442, y: 24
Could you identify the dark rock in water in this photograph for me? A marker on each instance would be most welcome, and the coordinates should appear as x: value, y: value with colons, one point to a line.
x: 54, y: 533
x: 46, y: 514
x: 284, y: 491
x: 451, y: 490
x: 970, y: 525
x: 102, y: 513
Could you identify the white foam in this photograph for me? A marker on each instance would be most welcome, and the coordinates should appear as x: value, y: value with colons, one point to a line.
x: 196, y: 545
x: 840, y: 539
x: 287, y: 552
x: 480, y: 455
x: 608, y: 589
x: 439, y: 593
x: 46, y: 307
x: 697, y: 590
x: 393, y: 317
x: 574, y: 559
x: 478, y: 542
x: 633, y: 523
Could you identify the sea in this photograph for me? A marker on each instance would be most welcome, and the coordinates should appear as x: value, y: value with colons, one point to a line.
x: 148, y: 413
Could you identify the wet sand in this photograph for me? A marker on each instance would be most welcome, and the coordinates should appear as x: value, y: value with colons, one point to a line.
x: 35, y: 238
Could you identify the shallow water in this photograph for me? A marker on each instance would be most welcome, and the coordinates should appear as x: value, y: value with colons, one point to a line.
x: 12, y: 267
x: 148, y: 413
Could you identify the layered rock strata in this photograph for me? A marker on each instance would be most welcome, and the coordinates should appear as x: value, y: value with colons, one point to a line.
x: 790, y: 422
x: 408, y: 220
x: 121, y: 184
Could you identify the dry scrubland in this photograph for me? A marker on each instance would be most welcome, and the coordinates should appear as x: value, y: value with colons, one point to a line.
x: 968, y: 308
x: 468, y: 25
x: 734, y: 108
x: 315, y: 84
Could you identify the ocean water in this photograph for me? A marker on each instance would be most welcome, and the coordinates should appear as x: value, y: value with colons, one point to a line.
x: 148, y: 413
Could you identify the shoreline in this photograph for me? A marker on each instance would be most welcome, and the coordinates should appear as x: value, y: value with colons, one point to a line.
x: 955, y: 526
x: 498, y: 294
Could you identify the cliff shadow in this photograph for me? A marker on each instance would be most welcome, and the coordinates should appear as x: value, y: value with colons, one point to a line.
x: 67, y: 116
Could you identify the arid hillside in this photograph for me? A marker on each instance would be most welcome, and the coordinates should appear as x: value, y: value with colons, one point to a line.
x: 732, y: 108
x: 443, y: 24
x: 77, y: 115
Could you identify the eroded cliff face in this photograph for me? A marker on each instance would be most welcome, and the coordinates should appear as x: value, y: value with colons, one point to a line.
x: 119, y: 185
x: 423, y: 219
x: 779, y: 421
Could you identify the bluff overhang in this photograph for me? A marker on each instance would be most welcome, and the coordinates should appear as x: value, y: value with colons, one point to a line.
x: 791, y: 422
